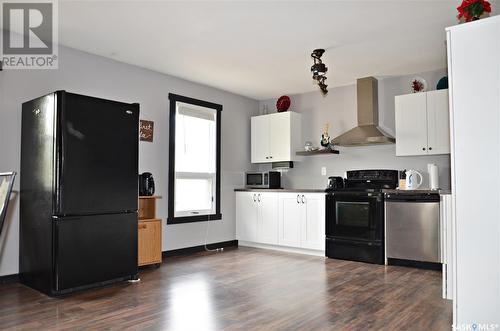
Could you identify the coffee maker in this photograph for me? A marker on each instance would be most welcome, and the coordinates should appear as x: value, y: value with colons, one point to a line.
x: 146, y: 184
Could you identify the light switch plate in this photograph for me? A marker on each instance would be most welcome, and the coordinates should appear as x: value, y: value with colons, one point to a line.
x: 323, y: 171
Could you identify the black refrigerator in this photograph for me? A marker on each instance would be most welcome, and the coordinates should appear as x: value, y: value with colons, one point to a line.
x: 79, y: 192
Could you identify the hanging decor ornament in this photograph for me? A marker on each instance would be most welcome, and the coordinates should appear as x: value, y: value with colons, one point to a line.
x: 319, y: 70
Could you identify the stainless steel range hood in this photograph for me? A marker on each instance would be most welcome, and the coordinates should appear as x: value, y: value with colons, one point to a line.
x: 367, y: 131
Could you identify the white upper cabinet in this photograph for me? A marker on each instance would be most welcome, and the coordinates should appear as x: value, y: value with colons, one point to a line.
x: 411, y: 124
x: 422, y: 123
x: 275, y: 137
x: 438, y: 122
x: 260, y: 139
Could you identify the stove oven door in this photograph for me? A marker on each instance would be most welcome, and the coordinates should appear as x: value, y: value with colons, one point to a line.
x: 356, y: 216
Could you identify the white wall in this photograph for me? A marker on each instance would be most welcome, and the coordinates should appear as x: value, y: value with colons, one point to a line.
x: 339, y: 108
x: 97, y: 76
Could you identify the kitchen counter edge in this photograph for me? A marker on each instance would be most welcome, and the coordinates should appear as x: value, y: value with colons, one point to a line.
x: 280, y: 190
x: 424, y: 191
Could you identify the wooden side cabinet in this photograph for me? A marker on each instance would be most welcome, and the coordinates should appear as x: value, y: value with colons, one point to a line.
x: 149, y: 232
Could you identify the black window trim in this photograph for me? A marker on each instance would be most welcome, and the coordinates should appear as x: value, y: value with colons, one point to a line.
x: 174, y: 98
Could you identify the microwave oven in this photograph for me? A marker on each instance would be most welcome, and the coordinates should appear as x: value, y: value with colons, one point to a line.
x: 266, y: 179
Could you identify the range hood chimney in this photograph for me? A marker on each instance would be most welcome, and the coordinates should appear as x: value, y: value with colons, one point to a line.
x: 367, y: 131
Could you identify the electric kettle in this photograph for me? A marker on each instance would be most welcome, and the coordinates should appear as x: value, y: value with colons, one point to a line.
x: 335, y: 182
x: 413, y: 179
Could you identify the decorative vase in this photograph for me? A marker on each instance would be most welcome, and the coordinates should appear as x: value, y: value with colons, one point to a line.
x: 442, y: 84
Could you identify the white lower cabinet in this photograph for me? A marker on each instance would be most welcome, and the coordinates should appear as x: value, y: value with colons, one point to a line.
x: 267, y: 219
x: 302, y: 220
x: 313, y: 222
x: 294, y: 220
x: 290, y: 216
x: 257, y: 217
x: 246, y: 216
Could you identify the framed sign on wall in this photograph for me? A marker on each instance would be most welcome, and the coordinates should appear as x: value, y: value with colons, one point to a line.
x: 146, y: 129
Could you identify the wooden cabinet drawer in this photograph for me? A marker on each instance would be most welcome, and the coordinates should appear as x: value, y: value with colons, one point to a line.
x: 149, y: 241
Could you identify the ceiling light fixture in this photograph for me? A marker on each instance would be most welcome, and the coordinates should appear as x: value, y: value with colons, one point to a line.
x: 319, y: 70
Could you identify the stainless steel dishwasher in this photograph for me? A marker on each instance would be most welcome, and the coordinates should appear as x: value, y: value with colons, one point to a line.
x: 412, y: 226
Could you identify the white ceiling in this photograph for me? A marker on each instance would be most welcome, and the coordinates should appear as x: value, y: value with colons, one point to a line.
x: 261, y: 49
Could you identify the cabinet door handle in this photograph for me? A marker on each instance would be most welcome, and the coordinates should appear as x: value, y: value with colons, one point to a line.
x: 254, y: 198
x: 270, y: 157
x: 423, y: 148
x: 298, y: 198
x: 142, y: 226
x: 258, y: 197
x: 267, y: 157
x: 303, y: 199
x: 430, y: 148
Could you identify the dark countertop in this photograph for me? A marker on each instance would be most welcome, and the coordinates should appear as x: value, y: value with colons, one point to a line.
x: 309, y: 190
x: 281, y: 190
x: 416, y: 191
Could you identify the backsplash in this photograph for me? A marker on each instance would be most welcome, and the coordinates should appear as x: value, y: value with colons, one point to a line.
x: 307, y: 173
x: 339, y: 109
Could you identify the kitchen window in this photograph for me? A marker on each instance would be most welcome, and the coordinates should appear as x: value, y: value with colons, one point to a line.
x: 194, y: 160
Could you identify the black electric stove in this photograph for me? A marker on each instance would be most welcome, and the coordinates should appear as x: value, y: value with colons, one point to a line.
x: 355, y: 216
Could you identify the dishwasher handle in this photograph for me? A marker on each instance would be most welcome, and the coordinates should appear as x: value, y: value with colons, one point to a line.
x: 430, y: 197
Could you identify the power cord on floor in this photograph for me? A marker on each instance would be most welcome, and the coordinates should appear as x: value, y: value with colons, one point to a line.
x: 206, y: 236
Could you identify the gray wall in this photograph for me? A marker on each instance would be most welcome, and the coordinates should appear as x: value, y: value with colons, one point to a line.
x: 97, y: 76
x: 339, y: 109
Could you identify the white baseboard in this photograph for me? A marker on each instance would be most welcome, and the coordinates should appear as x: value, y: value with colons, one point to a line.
x: 282, y: 248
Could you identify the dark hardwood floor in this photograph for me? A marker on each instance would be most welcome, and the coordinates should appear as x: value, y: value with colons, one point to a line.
x: 243, y: 289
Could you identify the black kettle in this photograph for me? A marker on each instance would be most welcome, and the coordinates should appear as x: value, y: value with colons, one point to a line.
x: 335, y: 182
x: 146, y: 184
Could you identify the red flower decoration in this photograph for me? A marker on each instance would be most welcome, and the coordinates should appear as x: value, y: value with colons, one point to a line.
x: 471, y: 10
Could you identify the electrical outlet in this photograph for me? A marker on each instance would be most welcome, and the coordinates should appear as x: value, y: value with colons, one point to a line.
x: 323, y: 171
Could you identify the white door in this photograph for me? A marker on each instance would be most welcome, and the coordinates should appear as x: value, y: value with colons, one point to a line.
x: 313, y: 224
x: 290, y: 215
x: 267, y: 224
x: 280, y: 137
x: 411, y: 124
x: 438, y: 122
x: 246, y: 216
x: 260, y: 139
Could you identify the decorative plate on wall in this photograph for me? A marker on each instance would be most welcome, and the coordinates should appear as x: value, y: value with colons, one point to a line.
x: 283, y: 103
